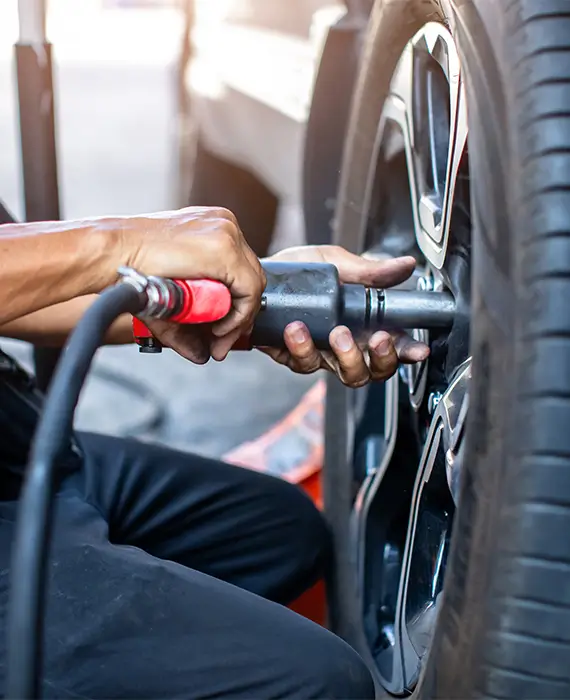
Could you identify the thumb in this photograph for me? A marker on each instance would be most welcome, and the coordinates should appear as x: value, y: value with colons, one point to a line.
x: 356, y: 269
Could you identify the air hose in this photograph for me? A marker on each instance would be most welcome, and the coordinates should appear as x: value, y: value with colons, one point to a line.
x: 35, y: 515
x: 180, y: 301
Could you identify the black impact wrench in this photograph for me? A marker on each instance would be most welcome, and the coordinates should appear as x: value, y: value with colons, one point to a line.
x: 308, y: 292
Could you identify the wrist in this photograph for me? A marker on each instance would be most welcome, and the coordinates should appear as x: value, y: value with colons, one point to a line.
x: 102, y: 252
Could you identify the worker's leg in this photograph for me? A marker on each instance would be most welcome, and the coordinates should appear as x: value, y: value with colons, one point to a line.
x: 252, y: 530
x: 124, y: 624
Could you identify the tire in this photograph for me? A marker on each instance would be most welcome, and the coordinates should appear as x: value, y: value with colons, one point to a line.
x: 503, y: 629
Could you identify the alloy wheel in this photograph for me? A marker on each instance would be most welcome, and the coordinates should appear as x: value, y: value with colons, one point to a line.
x: 407, y: 493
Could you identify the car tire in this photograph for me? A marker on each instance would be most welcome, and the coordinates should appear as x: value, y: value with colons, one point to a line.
x: 503, y: 629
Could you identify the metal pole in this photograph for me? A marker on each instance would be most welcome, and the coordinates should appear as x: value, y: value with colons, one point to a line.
x: 37, y: 133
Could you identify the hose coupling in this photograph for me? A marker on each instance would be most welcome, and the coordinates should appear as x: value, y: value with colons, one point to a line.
x: 164, y: 298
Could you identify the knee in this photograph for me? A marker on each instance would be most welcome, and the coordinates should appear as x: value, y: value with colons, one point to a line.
x: 306, y: 536
x: 351, y: 680
x: 334, y: 670
x: 313, y: 534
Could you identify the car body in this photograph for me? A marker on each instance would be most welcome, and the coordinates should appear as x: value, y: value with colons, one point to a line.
x: 250, y: 86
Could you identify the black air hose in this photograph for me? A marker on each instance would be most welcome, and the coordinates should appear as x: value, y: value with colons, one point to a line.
x: 35, y: 515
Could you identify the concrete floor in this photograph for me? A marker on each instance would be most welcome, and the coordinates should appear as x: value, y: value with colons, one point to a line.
x: 115, y: 144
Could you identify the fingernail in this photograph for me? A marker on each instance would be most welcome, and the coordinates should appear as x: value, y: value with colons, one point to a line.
x: 382, y: 347
x: 298, y: 333
x: 343, y: 341
x: 420, y: 350
x: 414, y: 352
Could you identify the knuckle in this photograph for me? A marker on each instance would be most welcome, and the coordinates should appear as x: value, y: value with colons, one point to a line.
x: 359, y: 383
x: 244, y: 314
x: 352, y: 361
x: 227, y: 232
x: 354, y: 382
x: 227, y: 242
x: 356, y: 371
x: 329, y: 249
x: 232, y: 232
x: 386, y: 363
x: 354, y: 356
x: 227, y: 214
x: 258, y: 281
x: 384, y: 373
x: 261, y: 278
x: 308, y: 367
x: 304, y: 351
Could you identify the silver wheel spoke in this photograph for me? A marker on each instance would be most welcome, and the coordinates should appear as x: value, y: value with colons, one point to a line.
x: 417, y: 600
x: 427, y: 103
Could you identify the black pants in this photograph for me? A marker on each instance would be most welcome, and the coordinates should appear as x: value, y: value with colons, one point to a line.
x: 162, y: 571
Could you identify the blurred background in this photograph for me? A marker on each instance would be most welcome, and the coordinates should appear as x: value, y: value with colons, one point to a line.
x: 162, y: 104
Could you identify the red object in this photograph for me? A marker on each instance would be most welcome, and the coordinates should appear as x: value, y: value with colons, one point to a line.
x: 313, y: 604
x: 140, y: 330
x: 204, y: 301
x: 293, y: 449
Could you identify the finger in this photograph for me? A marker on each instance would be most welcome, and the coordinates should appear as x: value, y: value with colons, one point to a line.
x: 246, y: 282
x: 383, y: 356
x: 246, y: 287
x: 409, y: 350
x: 373, y: 273
x: 220, y: 347
x: 277, y: 355
x: 238, y: 318
x: 251, y: 256
x: 352, y: 367
x: 190, y: 342
x: 305, y: 358
x: 244, y: 313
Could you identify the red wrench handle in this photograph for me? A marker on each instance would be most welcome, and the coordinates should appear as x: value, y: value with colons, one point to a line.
x: 203, y: 301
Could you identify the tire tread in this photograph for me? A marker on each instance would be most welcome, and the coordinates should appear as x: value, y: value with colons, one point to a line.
x: 528, y: 644
x: 528, y: 562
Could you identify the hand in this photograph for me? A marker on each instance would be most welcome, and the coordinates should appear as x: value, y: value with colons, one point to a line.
x: 198, y: 242
x: 354, y: 366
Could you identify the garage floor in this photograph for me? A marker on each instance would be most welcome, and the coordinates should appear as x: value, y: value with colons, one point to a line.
x: 115, y: 148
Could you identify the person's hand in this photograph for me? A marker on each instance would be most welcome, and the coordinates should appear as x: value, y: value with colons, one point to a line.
x: 353, y: 365
x: 192, y: 243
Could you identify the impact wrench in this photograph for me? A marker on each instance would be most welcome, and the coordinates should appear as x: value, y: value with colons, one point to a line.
x: 307, y: 292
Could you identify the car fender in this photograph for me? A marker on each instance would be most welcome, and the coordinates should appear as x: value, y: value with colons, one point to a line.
x: 328, y: 120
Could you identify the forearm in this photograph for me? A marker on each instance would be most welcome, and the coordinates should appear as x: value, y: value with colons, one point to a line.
x: 50, y: 327
x: 42, y: 264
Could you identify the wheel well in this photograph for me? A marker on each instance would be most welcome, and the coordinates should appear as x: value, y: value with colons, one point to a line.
x: 328, y: 119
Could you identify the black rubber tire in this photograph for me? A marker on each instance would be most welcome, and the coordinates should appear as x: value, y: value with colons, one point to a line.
x: 504, y: 626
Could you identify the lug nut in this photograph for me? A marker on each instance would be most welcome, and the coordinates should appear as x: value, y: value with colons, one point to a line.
x: 425, y: 284
x: 433, y: 400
